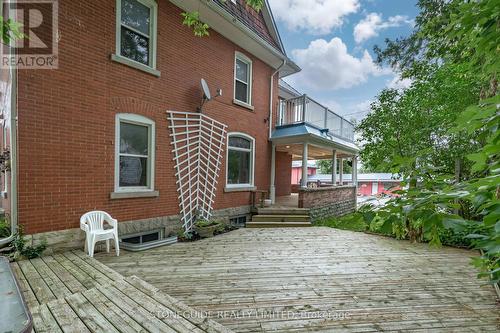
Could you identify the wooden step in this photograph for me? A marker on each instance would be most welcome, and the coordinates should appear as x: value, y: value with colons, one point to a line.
x: 280, y: 218
x: 282, y: 211
x: 278, y: 224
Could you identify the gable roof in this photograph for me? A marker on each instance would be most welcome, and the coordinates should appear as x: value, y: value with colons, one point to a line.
x: 287, y: 91
x: 253, y: 31
x: 262, y: 23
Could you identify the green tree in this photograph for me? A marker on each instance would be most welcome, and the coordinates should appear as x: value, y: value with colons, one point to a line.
x: 325, y: 166
x: 453, y: 57
x: 408, y: 131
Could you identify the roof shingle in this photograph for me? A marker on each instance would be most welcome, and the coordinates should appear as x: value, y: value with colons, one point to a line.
x: 250, y: 18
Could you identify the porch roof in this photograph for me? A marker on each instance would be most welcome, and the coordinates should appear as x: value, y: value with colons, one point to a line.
x: 305, y: 132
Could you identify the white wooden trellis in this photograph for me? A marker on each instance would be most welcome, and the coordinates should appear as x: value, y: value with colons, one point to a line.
x: 198, y: 142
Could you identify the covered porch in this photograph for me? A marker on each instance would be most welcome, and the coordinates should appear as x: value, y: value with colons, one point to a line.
x: 307, y: 131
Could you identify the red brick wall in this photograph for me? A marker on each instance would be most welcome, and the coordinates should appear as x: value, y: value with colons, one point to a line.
x: 67, y: 116
x: 283, y: 173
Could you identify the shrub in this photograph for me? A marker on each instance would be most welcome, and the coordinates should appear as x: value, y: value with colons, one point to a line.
x: 189, y: 236
x: 206, y: 223
x: 353, y: 222
x: 26, y: 251
x: 4, y: 228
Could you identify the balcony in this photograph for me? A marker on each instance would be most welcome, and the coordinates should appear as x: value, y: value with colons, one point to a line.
x: 304, y: 109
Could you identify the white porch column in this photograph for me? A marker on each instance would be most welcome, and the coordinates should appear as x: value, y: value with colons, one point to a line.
x: 334, y: 168
x: 341, y: 171
x: 272, y: 187
x: 304, y: 166
x: 355, y: 170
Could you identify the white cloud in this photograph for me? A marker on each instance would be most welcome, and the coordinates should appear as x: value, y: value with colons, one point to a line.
x: 373, y: 23
x: 314, y: 16
x: 399, y: 83
x: 332, y: 105
x: 328, y: 66
x: 357, y: 111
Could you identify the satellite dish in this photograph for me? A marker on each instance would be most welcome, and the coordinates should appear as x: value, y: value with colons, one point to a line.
x: 206, y: 91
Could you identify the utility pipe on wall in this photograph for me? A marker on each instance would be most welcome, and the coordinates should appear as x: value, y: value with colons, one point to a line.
x: 272, y: 187
x: 271, y: 99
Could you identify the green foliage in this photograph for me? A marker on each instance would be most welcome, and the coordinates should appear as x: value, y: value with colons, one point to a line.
x: 255, y: 4
x: 4, y: 228
x: 200, y: 29
x: 452, y: 159
x: 193, y: 21
x: 206, y: 223
x: 325, y: 166
x: 189, y: 236
x: 26, y: 251
x: 409, y: 130
x: 224, y: 228
x: 352, y: 222
x: 11, y: 30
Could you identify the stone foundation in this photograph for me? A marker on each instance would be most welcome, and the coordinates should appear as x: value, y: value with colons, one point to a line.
x: 334, y: 209
x: 64, y: 240
x: 328, y: 201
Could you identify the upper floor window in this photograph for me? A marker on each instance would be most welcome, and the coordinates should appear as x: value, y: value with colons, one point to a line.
x: 135, y: 145
x: 136, y: 31
x: 240, y: 160
x: 243, y: 79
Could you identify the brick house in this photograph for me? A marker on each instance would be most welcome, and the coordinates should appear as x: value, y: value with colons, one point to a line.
x: 94, y: 133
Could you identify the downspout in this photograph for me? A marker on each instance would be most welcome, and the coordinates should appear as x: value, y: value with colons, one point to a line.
x: 271, y: 98
x: 272, y: 188
x: 13, y: 160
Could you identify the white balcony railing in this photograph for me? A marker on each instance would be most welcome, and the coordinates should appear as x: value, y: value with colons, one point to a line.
x: 303, y: 109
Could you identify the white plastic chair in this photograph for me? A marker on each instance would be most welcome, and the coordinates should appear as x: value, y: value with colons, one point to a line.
x: 93, y: 225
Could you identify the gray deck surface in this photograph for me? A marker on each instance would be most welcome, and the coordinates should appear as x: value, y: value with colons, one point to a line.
x: 71, y: 292
x: 319, y: 279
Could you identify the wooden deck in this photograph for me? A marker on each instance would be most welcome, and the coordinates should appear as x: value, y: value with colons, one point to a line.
x: 71, y: 292
x: 319, y: 279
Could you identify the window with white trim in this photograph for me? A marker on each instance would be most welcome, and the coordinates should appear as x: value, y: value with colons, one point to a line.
x: 135, y: 147
x: 240, y: 160
x: 243, y: 79
x: 136, y: 30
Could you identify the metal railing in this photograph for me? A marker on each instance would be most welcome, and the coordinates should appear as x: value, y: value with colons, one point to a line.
x: 304, y: 109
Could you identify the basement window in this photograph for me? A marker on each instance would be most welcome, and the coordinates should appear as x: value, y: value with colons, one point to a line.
x: 146, y: 240
x: 238, y: 221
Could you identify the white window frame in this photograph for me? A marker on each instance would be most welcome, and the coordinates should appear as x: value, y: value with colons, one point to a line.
x: 153, y: 33
x: 240, y: 56
x: 252, y: 160
x: 142, y: 121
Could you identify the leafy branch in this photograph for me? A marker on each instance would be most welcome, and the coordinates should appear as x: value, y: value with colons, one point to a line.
x: 200, y: 28
x: 11, y: 30
x: 193, y: 21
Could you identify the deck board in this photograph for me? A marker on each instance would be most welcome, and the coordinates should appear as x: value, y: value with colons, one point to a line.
x: 250, y: 279
x: 70, y: 292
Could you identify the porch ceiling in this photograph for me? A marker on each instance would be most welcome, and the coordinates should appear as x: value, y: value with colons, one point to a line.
x: 297, y: 134
x: 313, y: 153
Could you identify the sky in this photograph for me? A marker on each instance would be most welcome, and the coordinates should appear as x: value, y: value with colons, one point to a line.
x: 332, y: 41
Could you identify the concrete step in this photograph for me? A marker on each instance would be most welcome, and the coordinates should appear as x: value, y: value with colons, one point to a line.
x: 278, y: 224
x: 282, y: 211
x: 280, y: 218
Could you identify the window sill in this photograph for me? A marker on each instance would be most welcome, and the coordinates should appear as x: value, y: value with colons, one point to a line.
x: 125, y: 61
x: 131, y: 195
x: 243, y: 104
x: 240, y: 189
